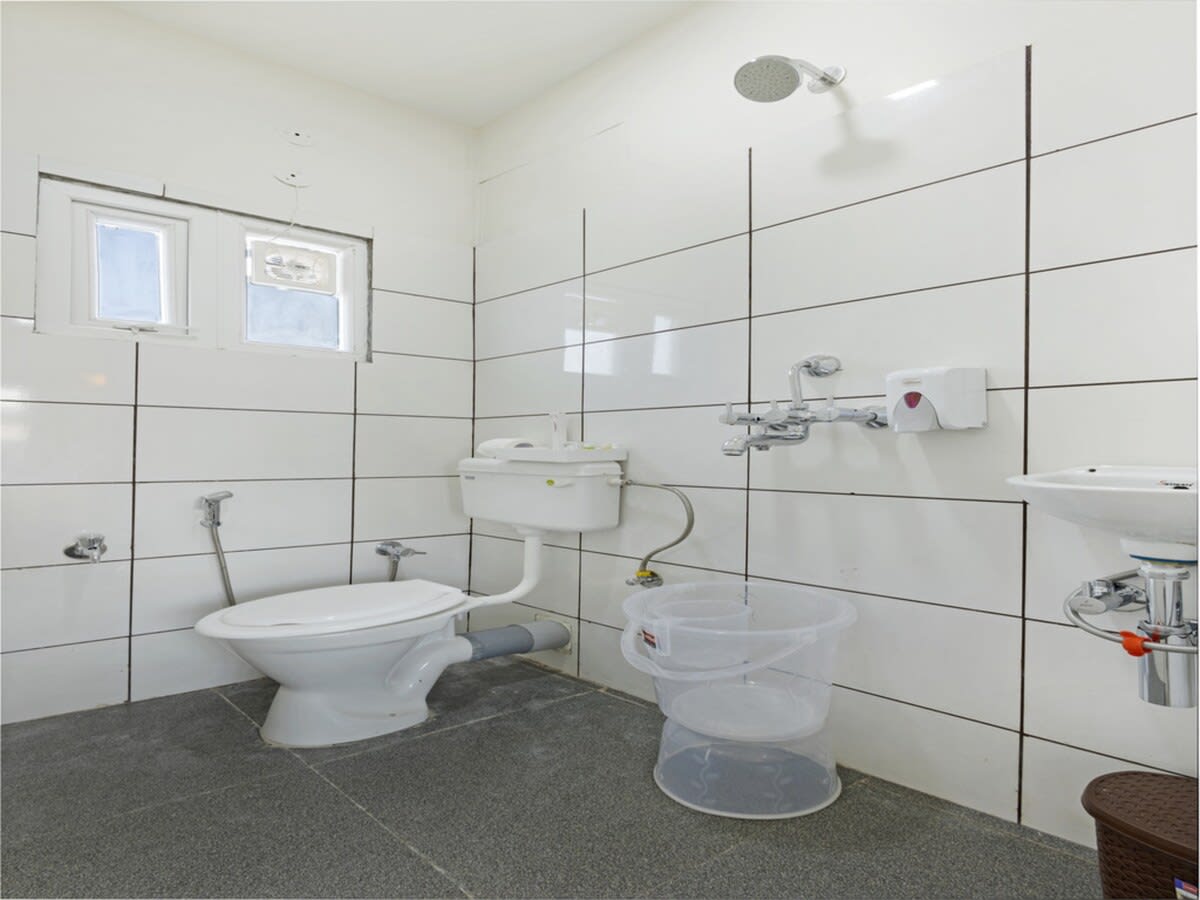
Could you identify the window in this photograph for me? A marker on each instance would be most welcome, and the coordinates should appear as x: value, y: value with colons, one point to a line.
x: 127, y: 265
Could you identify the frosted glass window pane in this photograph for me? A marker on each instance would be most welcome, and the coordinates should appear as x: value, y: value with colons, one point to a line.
x: 128, y: 274
x: 286, y: 316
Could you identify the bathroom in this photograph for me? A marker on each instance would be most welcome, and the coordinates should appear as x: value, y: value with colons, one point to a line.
x: 563, y: 225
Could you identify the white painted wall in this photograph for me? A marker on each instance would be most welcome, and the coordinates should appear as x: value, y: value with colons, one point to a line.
x: 961, y: 679
x: 317, y: 452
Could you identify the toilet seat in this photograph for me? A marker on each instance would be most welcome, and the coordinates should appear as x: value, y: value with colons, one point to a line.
x: 331, y: 610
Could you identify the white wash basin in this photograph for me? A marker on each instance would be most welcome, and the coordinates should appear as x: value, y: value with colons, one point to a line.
x: 1152, y: 509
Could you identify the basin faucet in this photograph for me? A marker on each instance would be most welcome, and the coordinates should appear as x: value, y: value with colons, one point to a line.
x: 765, y: 440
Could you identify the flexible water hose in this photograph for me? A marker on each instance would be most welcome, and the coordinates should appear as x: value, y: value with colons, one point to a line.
x: 645, y: 575
x: 214, y: 530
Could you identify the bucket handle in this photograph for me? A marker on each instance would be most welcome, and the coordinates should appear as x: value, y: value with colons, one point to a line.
x: 643, y: 663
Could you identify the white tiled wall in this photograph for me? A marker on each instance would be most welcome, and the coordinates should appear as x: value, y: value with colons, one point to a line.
x: 323, y: 456
x: 892, y: 236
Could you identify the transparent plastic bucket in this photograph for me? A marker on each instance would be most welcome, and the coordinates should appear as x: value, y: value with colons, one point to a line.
x: 743, y: 673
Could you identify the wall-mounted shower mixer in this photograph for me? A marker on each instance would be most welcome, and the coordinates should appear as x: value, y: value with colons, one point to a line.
x: 1165, y: 640
x: 791, y: 425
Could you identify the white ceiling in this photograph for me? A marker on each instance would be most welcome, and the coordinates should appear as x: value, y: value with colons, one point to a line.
x: 467, y: 61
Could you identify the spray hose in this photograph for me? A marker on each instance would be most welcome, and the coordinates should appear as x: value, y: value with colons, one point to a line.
x: 645, y: 576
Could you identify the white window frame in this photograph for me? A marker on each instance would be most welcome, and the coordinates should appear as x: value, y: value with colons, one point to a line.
x: 203, y: 276
x: 66, y: 295
x: 352, y: 284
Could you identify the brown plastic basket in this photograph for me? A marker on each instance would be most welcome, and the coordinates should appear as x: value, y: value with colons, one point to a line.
x: 1145, y: 831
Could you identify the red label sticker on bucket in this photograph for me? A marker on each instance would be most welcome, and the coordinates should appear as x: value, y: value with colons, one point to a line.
x: 649, y: 638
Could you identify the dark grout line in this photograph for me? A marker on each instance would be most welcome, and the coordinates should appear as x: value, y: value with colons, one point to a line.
x: 1027, y: 363
x: 932, y: 709
x: 18, y: 233
x: 1115, y: 134
x: 654, y: 256
x: 133, y: 461
x: 762, y: 490
x: 527, y: 290
x: 421, y: 296
x: 1124, y: 759
x: 907, y: 190
x: 1111, y: 259
x: 1099, y: 384
x: 123, y: 636
x: 378, y: 352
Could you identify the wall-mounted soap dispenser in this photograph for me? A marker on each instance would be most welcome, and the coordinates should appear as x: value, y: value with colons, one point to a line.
x: 942, y: 397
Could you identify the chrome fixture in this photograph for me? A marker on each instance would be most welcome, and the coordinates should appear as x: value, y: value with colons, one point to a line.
x: 770, y: 78
x: 645, y: 576
x: 87, y: 546
x: 1165, y: 640
x: 791, y: 426
x: 395, y: 551
x: 211, y: 504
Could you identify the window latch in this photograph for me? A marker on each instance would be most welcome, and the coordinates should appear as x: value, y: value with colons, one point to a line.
x: 136, y: 329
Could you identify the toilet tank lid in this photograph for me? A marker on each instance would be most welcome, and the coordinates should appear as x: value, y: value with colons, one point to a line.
x: 362, y: 604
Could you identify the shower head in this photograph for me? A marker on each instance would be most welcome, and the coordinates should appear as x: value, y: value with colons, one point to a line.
x: 770, y: 78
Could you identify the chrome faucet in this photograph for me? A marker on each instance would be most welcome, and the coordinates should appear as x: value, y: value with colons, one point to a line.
x: 87, y: 546
x: 395, y: 551
x: 791, y: 425
x: 212, y: 508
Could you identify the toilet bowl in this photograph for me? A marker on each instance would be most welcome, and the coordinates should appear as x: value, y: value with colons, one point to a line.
x: 357, y: 661
x: 352, y: 662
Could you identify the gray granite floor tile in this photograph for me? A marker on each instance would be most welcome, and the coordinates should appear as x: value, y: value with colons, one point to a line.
x: 70, y: 769
x: 465, y: 693
x: 292, y: 835
x: 877, y: 843
x: 553, y: 802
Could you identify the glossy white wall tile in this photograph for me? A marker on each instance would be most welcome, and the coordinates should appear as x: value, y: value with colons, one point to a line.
x: 1107, y: 199
x: 413, y: 386
x: 958, y: 553
x: 668, y: 193
x: 169, y: 375
x: 1083, y: 691
x: 19, y: 253
x: 1064, y: 429
x: 38, y: 683
x: 213, y: 444
x: 529, y: 256
x: 401, y: 445
x: 949, y: 757
x: 676, y: 446
x: 970, y: 464
x: 709, y: 283
x: 406, y: 507
x: 1126, y: 320
x: 18, y: 206
x: 46, y: 443
x: 404, y: 324
x: 971, y: 227
x: 540, y: 319
x: 497, y: 566
x: 600, y: 660
x: 886, y: 652
x: 981, y: 324
x: 177, y: 591
x: 172, y: 662
x: 1066, y: 106
x: 63, y: 604
x: 63, y: 369
x: 534, y: 383
x: 445, y: 561
x: 261, y: 515
x: 420, y: 264
x: 673, y: 368
x: 39, y: 520
x: 1060, y: 556
x: 1053, y: 779
x: 603, y: 585
x: 958, y: 123
x: 650, y: 518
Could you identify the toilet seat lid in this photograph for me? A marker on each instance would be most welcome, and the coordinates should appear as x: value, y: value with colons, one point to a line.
x: 341, y: 608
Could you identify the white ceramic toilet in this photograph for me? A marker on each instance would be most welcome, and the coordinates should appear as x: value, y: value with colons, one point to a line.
x: 357, y: 661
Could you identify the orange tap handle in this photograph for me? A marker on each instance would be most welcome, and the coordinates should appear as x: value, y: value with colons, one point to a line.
x: 1135, y: 644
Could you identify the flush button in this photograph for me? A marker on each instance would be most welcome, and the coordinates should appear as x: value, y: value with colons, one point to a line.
x: 912, y: 398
